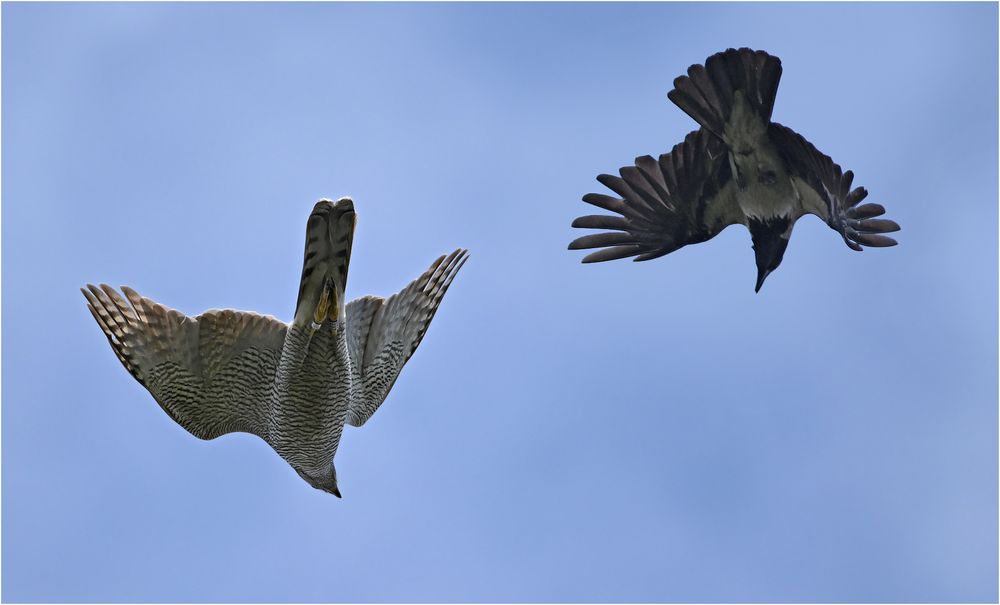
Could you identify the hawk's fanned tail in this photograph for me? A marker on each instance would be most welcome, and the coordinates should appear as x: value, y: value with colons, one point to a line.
x: 329, y: 237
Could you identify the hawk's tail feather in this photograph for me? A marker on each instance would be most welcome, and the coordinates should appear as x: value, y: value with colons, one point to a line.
x: 329, y: 237
x: 706, y: 93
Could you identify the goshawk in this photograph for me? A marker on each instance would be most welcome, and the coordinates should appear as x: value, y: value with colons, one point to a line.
x: 294, y: 385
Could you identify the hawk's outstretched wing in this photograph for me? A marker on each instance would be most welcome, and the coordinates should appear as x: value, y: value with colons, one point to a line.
x: 212, y: 374
x: 826, y: 191
x: 382, y: 333
x: 686, y: 197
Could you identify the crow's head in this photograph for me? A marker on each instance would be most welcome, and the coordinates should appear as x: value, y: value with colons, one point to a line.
x: 770, y: 238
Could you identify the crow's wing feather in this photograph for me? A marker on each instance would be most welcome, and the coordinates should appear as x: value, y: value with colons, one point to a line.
x: 826, y: 191
x: 685, y: 197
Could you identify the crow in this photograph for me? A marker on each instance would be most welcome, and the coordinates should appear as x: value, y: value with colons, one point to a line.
x: 738, y: 168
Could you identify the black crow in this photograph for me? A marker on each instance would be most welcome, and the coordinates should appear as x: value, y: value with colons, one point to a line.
x: 738, y: 168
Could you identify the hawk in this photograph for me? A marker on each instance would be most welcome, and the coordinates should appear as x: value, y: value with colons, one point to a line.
x: 293, y: 385
x: 738, y: 168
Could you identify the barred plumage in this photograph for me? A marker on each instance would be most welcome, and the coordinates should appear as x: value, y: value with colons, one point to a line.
x: 294, y: 385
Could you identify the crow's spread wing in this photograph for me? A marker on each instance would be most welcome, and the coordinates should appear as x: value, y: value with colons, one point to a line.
x: 686, y: 197
x: 826, y: 192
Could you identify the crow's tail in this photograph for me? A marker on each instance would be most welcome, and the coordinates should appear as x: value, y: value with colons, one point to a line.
x: 706, y: 93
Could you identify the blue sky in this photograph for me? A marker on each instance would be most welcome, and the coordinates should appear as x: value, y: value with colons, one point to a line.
x: 622, y: 432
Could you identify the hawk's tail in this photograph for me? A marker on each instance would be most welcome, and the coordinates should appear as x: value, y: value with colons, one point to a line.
x: 329, y: 235
x: 706, y: 93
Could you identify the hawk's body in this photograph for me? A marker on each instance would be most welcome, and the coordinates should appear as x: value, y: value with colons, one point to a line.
x: 738, y: 168
x: 295, y: 385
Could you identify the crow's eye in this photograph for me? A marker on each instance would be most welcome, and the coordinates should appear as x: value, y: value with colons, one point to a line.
x: 768, y: 177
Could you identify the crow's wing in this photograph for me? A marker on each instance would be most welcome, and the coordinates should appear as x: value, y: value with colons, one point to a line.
x: 826, y: 192
x: 212, y: 374
x: 382, y: 333
x: 686, y: 197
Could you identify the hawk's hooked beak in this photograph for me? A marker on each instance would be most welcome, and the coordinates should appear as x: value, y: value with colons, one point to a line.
x: 327, y: 484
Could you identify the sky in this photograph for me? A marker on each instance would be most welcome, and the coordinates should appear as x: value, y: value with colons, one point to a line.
x: 565, y: 432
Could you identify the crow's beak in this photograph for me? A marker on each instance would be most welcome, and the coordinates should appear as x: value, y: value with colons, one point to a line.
x: 761, y: 276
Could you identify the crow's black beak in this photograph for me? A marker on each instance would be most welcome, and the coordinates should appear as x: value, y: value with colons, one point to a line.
x: 770, y: 239
x: 761, y: 276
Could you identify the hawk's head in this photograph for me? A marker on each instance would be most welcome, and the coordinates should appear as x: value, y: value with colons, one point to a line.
x: 326, y: 481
